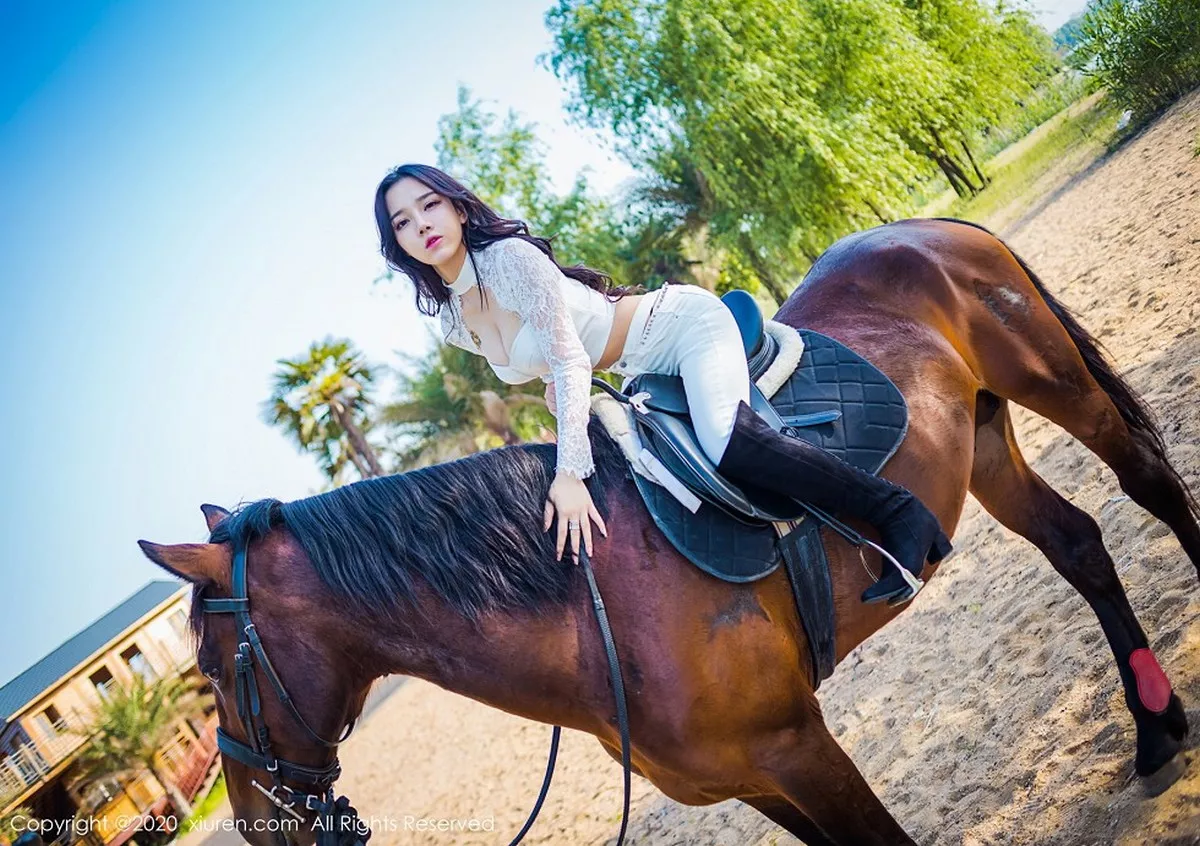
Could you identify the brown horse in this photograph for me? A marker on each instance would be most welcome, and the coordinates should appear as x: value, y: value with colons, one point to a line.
x: 443, y: 573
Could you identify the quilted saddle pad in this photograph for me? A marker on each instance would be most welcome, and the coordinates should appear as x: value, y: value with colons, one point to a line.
x: 835, y: 399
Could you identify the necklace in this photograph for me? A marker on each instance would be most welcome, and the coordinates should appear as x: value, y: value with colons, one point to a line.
x: 457, y: 309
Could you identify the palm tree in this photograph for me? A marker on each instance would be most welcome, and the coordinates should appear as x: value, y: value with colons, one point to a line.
x: 450, y: 404
x: 132, y: 724
x: 322, y: 400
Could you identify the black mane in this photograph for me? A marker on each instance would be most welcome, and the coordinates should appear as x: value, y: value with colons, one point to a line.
x: 471, y: 529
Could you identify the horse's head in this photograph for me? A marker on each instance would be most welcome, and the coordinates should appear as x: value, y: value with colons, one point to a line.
x: 287, y: 678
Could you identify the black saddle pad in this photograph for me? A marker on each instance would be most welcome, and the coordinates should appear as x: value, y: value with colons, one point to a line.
x: 872, y: 415
x: 835, y: 399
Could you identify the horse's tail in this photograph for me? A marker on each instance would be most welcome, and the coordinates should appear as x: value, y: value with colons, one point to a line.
x: 1133, y: 409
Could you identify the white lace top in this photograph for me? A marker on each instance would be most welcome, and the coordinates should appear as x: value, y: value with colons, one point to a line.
x: 550, y: 326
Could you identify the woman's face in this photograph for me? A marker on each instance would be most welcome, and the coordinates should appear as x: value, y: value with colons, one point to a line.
x: 427, y: 226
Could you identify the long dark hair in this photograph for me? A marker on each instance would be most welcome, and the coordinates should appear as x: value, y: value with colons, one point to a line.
x: 483, y: 227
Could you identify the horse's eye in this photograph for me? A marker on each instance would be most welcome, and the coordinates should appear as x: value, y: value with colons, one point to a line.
x: 212, y: 673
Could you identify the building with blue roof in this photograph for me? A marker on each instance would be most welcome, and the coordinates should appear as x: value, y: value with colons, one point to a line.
x: 46, y: 711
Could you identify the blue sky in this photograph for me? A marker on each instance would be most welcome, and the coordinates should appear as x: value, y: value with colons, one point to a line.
x: 187, y: 198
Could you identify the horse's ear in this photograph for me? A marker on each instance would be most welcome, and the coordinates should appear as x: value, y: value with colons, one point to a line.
x: 213, y: 514
x: 192, y: 562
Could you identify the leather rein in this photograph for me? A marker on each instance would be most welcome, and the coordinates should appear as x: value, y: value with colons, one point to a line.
x: 339, y: 824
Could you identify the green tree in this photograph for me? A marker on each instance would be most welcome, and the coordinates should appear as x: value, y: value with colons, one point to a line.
x: 321, y: 400
x: 132, y: 724
x: 779, y: 110
x: 503, y: 162
x: 804, y: 121
x: 1067, y: 36
x: 676, y: 237
x: 1146, y: 52
x: 451, y: 404
x: 15, y: 822
x: 996, y: 58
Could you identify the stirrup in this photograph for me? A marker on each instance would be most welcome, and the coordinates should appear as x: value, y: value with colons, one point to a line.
x: 914, y: 583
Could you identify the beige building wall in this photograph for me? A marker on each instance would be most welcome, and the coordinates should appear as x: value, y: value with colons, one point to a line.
x: 158, y: 647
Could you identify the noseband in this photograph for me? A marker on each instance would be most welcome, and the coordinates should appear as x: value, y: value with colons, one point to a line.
x: 339, y: 822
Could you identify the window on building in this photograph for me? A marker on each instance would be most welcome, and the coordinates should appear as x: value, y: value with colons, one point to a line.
x: 50, y: 722
x: 137, y: 662
x: 179, y: 623
x: 103, y: 680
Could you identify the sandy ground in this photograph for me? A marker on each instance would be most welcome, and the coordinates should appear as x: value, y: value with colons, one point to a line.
x: 1015, y: 730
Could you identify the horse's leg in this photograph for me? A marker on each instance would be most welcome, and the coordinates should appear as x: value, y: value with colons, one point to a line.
x: 811, y: 770
x: 1020, y: 499
x: 1142, y: 471
x: 1029, y: 349
x: 790, y: 818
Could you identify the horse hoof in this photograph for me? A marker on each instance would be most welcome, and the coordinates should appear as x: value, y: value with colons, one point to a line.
x: 1166, y: 775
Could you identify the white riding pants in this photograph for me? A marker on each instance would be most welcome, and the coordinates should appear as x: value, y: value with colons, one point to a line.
x: 686, y: 331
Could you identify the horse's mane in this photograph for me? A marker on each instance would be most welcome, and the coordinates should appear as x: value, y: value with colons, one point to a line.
x: 471, y: 529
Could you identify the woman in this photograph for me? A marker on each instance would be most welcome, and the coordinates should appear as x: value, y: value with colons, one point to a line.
x: 500, y: 293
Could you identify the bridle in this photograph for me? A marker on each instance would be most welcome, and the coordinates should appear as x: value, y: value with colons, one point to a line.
x: 339, y: 821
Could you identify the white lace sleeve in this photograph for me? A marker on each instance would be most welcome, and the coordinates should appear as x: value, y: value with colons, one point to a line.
x: 525, y: 281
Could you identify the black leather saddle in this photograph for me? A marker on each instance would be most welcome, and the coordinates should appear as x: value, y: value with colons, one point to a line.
x: 835, y: 398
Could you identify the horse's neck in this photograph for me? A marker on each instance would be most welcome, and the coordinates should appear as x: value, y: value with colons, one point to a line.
x: 524, y: 663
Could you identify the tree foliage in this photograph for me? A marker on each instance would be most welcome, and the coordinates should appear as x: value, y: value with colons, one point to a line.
x: 15, y: 822
x: 503, y: 162
x: 803, y: 121
x: 1146, y: 52
x: 132, y: 724
x: 322, y: 400
x: 1066, y: 37
x: 450, y: 404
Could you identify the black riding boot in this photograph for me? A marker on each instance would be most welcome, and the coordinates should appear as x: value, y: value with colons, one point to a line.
x: 760, y: 456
